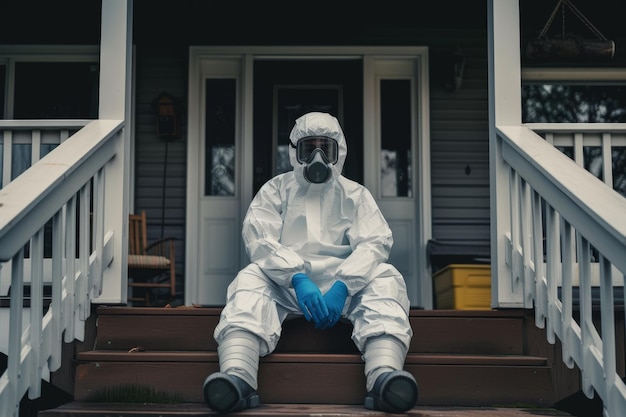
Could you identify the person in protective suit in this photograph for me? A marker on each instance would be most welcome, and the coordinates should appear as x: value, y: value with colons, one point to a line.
x: 318, y: 246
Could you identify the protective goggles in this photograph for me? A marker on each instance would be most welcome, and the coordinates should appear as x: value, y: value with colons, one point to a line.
x: 306, y: 147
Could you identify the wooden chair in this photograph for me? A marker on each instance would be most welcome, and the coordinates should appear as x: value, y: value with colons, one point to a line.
x: 149, y: 266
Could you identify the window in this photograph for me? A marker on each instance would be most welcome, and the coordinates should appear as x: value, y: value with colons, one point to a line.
x: 56, y: 90
x: 43, y: 83
x: 573, y: 96
x: 592, y: 95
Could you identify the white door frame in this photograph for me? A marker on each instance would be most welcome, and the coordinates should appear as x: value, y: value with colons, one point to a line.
x: 420, y: 285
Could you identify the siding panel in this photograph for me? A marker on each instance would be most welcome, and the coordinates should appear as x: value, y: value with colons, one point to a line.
x: 162, y: 69
x: 460, y: 147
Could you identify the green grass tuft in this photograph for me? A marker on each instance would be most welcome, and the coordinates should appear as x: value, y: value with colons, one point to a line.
x: 129, y: 393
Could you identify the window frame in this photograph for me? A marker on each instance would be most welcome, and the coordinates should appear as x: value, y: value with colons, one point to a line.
x: 12, y: 54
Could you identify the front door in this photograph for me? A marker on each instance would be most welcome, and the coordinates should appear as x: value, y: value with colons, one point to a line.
x: 242, y: 106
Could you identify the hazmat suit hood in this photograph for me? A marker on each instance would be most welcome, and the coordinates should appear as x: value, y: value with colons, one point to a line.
x: 317, y: 124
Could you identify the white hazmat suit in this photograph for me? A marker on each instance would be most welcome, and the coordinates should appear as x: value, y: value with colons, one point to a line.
x: 331, y: 231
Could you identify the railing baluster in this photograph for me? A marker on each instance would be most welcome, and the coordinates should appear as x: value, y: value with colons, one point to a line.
x: 553, y: 256
x: 70, y: 268
x: 607, y: 160
x: 579, y: 154
x: 85, y: 247
x: 15, y: 331
x: 98, y: 230
x: 527, y: 226
x: 584, y: 260
x: 56, y: 310
x: 35, y: 149
x: 607, y: 322
x: 540, y: 288
x: 7, y: 157
x: 567, y: 232
x: 36, y: 313
x: 515, y: 234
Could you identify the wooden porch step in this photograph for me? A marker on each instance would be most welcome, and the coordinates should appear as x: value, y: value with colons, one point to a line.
x: 284, y: 410
x: 412, y: 358
x: 190, y: 328
x: 458, y: 358
x: 328, y: 378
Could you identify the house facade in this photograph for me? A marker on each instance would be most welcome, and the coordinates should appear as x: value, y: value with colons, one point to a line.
x: 465, y: 136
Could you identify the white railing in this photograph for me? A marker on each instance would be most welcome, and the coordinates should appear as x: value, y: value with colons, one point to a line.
x: 66, y: 189
x: 598, y: 147
x: 561, y: 214
x: 24, y: 142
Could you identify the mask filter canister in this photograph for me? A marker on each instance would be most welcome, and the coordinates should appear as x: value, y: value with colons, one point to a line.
x: 318, y: 170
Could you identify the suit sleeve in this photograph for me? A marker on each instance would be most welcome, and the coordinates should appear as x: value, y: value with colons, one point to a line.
x: 261, y: 232
x: 371, y: 241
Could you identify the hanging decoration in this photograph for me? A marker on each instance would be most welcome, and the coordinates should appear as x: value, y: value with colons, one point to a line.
x: 569, y: 47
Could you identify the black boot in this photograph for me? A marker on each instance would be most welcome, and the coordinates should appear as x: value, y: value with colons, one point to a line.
x: 393, y: 392
x: 228, y: 393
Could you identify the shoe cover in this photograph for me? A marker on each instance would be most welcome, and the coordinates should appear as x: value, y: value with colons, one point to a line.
x: 227, y: 393
x: 393, y: 392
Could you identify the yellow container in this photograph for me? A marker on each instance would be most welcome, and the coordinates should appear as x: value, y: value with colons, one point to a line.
x: 463, y: 287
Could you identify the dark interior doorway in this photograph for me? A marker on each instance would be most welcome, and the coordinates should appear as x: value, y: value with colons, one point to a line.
x: 315, y: 81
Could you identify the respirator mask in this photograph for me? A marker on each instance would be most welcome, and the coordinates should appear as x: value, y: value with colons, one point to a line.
x: 317, y: 154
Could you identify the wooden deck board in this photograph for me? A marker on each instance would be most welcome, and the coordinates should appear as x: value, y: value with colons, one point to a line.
x: 286, y: 410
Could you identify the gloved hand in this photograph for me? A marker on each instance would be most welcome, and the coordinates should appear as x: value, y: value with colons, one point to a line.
x: 310, y: 299
x: 335, y: 300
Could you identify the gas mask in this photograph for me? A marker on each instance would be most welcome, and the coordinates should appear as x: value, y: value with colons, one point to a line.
x: 317, y: 154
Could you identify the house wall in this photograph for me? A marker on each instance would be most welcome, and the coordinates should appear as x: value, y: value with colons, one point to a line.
x: 160, y: 165
x: 459, y: 143
x: 459, y: 138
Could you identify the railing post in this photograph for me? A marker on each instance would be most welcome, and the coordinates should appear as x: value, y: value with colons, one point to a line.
x: 504, y: 108
x: 115, y: 99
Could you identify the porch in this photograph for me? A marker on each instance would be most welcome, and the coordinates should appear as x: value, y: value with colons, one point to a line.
x: 555, y: 228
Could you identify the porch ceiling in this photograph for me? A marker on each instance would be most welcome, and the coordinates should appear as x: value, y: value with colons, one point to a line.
x: 323, y: 22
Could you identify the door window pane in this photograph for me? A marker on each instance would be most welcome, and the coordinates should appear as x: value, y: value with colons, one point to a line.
x: 395, y: 158
x: 220, y: 137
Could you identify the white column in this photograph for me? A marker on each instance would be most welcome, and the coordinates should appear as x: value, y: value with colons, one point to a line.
x: 115, y: 104
x: 504, y: 109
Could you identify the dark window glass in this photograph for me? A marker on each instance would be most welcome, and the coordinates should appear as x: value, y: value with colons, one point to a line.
x: 395, y: 116
x: 573, y: 103
x: 220, y: 137
x: 3, y: 78
x: 56, y: 90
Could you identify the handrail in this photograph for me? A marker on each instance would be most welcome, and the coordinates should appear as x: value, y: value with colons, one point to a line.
x: 66, y: 188
x: 48, y: 184
x: 559, y: 215
x: 40, y: 135
x: 30, y: 124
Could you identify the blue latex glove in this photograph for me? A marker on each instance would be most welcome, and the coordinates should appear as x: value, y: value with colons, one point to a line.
x: 310, y: 299
x: 335, y: 300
